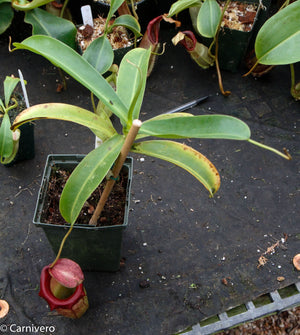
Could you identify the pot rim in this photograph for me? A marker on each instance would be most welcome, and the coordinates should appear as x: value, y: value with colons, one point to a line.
x: 76, y: 158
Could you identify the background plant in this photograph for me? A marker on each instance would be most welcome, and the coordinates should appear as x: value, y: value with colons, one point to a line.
x: 278, y: 42
x: 42, y: 21
x: 9, y: 140
x: 208, y: 23
x: 100, y: 53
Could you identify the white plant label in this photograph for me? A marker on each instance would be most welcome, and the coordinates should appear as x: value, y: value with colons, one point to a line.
x: 87, y: 17
x: 98, y: 142
x: 23, y: 88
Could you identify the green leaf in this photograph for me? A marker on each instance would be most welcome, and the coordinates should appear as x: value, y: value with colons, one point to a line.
x: 60, y: 111
x: 44, y: 23
x: 168, y: 116
x: 185, y: 157
x: 100, y: 54
x: 164, y: 117
x: 2, y: 107
x: 129, y: 22
x: 114, y: 5
x: 208, y: 18
x: 87, y: 176
x: 77, y: 67
x: 6, y: 138
x: 181, y: 5
x: 278, y: 41
x: 9, y: 84
x: 29, y: 5
x: 6, y: 16
x: 200, y: 126
x: 131, y: 80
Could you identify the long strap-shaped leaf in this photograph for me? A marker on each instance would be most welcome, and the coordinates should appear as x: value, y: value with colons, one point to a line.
x: 100, y: 54
x: 185, y: 157
x: 180, y: 5
x: 6, y: 15
x: 278, y: 41
x: 6, y: 138
x: 200, y: 126
x: 76, y: 66
x: 29, y: 5
x: 129, y: 22
x: 208, y: 18
x: 9, y: 85
x: 133, y: 74
x: 44, y: 23
x: 87, y: 176
x: 66, y: 112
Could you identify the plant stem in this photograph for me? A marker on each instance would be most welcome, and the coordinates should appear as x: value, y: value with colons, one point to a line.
x: 286, y: 3
x: 12, y: 106
x: 216, y: 40
x: 225, y: 93
x: 136, y: 124
x: 295, y: 92
x: 62, y: 78
x: 63, y: 8
x: 61, y: 246
x: 285, y: 155
x: 133, y: 10
x: 292, y: 75
x: 93, y: 102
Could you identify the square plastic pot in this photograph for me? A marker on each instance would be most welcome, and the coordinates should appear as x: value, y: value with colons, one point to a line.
x: 233, y: 44
x: 93, y: 248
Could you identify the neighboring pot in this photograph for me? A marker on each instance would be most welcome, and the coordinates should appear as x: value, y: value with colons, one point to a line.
x: 145, y: 9
x: 233, y: 44
x: 26, y: 143
x: 93, y: 248
x: 119, y: 52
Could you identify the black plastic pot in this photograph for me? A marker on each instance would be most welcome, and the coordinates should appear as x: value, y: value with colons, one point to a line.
x: 93, y: 248
x: 26, y: 143
x: 118, y: 55
x: 233, y: 44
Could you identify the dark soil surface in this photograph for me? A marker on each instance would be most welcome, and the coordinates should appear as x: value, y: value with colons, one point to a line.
x: 112, y: 214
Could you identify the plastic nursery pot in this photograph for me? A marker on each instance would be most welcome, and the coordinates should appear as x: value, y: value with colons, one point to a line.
x: 26, y: 143
x: 93, y: 248
x: 233, y: 44
x: 118, y: 53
